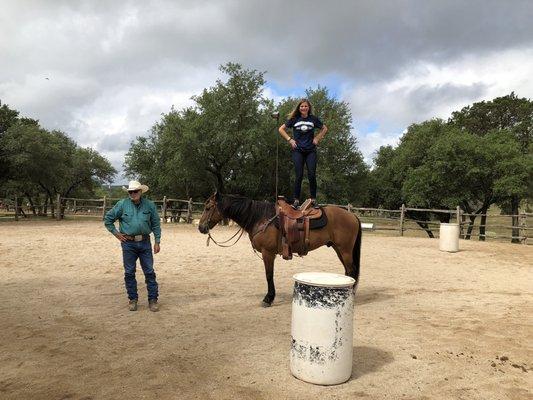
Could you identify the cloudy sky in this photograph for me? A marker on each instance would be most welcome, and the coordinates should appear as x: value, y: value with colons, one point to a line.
x: 104, y: 71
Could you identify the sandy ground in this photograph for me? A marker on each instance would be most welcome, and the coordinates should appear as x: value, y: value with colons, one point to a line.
x: 428, y: 324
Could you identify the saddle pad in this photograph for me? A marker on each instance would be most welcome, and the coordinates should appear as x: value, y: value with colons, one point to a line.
x: 319, y: 222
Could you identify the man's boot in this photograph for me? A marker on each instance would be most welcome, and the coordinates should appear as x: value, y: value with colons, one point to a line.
x: 133, y: 305
x: 152, y: 305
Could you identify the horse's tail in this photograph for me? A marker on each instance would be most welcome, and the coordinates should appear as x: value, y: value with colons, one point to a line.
x: 356, y: 253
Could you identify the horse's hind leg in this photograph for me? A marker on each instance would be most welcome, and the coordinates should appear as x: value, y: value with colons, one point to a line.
x: 346, y: 258
x: 268, y: 260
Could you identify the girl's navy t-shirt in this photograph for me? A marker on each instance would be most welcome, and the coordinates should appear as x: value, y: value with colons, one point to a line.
x: 304, y: 131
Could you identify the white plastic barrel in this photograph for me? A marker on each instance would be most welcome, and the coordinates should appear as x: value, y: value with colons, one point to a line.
x: 322, y: 328
x: 449, y: 237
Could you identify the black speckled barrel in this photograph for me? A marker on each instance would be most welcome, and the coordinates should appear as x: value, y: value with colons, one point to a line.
x: 322, y: 328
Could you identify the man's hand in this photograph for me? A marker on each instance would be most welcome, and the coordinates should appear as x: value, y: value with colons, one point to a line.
x: 120, y: 236
x: 315, y: 141
x: 156, y: 248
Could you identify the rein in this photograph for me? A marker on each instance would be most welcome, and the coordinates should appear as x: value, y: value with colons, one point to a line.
x: 221, y: 244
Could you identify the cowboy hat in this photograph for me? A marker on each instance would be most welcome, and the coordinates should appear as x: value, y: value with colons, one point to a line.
x: 135, y: 185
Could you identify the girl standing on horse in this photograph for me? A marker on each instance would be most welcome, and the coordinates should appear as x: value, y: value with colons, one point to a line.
x: 303, y: 145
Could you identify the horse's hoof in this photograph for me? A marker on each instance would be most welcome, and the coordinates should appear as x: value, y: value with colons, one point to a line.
x: 264, y: 304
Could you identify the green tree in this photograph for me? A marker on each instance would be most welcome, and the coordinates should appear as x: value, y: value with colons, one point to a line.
x: 505, y: 114
x: 168, y: 159
x: 51, y: 163
x: 8, y: 118
x: 229, y: 139
x: 439, y: 165
x: 394, y: 167
x: 208, y: 145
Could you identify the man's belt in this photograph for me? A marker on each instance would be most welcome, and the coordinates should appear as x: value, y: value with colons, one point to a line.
x: 136, y: 238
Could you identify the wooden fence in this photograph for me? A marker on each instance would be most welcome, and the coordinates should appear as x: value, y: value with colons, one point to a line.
x: 169, y: 209
x: 405, y: 220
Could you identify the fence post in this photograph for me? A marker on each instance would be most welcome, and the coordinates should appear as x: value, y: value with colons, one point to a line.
x: 164, y: 209
x: 16, y: 208
x: 58, y: 207
x: 74, y: 206
x: 523, y: 225
x: 402, y: 214
x: 458, y: 217
x: 349, y: 208
x: 189, y: 211
x: 103, y: 207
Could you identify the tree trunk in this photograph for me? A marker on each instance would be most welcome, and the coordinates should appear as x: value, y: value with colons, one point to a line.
x: 40, y: 207
x: 470, y: 226
x: 216, y: 170
x: 421, y: 215
x: 32, y: 205
x: 425, y: 227
x: 482, y: 226
x: 52, y: 206
x: 220, y: 182
x: 483, y: 211
x: 20, y: 211
x: 45, y: 206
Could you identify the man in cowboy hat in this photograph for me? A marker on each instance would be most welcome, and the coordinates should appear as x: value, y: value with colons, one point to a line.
x: 137, y: 218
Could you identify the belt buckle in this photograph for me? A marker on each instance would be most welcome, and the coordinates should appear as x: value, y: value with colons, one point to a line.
x: 138, y: 238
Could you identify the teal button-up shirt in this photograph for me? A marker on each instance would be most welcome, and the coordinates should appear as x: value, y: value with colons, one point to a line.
x: 140, y: 219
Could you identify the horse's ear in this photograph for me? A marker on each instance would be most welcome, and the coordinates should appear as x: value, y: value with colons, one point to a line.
x: 217, y: 195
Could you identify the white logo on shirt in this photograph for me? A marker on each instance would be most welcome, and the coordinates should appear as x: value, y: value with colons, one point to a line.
x: 304, y: 125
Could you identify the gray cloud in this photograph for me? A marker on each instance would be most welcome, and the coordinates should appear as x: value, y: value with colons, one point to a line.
x: 121, y: 42
x: 119, y: 142
x: 425, y: 99
x: 114, y: 67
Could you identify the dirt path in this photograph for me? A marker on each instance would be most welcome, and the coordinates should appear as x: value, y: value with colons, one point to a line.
x: 428, y: 324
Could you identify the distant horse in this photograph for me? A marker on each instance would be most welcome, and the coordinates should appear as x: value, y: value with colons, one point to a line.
x: 258, y: 219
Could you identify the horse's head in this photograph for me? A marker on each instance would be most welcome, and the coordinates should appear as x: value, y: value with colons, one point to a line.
x: 211, y: 215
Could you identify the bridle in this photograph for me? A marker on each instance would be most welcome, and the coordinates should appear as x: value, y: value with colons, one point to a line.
x: 209, y: 237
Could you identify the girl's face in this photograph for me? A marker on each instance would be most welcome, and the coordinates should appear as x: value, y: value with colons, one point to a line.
x: 304, y: 108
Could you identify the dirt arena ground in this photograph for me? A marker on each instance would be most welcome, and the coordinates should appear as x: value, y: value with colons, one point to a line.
x: 428, y: 324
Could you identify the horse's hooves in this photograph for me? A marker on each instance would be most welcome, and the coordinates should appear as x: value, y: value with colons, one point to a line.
x: 264, y: 304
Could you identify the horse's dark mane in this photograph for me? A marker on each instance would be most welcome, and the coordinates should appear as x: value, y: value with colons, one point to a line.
x: 244, y: 211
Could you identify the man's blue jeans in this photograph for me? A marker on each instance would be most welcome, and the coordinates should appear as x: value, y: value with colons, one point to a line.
x: 131, y: 251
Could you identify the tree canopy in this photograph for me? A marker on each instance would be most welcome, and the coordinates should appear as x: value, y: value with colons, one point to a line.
x: 481, y: 156
x: 229, y: 140
x: 39, y: 164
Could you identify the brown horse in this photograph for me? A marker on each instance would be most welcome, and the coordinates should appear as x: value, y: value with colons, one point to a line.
x: 258, y: 219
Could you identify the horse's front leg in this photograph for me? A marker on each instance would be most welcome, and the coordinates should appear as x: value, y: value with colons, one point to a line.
x: 268, y: 260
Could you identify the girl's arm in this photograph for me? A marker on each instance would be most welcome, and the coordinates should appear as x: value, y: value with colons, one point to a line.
x: 318, y: 138
x: 286, y: 136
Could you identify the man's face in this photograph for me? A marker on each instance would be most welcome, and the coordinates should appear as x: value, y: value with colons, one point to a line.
x: 135, y: 195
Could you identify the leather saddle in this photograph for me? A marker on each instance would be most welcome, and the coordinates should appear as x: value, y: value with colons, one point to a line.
x: 295, y: 224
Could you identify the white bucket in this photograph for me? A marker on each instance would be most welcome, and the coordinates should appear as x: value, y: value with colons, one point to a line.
x: 322, y: 328
x: 449, y: 237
